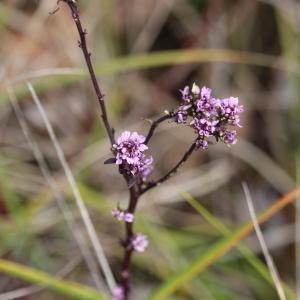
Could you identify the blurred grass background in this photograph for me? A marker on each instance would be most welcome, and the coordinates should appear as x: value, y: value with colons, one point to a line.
x: 144, y: 51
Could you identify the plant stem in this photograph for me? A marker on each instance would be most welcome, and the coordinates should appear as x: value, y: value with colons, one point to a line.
x: 155, y: 124
x: 187, y: 154
x: 128, y: 250
x: 136, y: 190
x: 87, y: 55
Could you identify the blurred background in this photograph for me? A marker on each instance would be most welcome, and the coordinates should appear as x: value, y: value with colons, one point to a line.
x: 143, y: 52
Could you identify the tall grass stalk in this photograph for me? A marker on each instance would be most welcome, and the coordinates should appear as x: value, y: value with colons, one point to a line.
x: 99, y: 252
x: 67, y: 213
x: 265, y: 250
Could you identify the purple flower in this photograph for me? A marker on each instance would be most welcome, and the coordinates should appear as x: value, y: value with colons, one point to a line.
x: 139, y: 242
x: 146, y: 167
x: 130, y: 147
x: 229, y: 110
x: 118, y: 293
x: 211, y: 117
x: 121, y: 215
x: 118, y: 214
x: 130, y: 155
x: 205, y: 93
x: 228, y: 136
x: 185, y: 93
x: 202, y: 144
x: 205, y: 126
x: 206, y: 104
x: 182, y: 115
x: 128, y: 217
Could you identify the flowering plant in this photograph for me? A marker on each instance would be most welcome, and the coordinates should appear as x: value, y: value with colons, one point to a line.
x: 209, y: 117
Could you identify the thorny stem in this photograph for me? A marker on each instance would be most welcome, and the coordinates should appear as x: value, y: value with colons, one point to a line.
x: 87, y: 55
x: 187, y: 154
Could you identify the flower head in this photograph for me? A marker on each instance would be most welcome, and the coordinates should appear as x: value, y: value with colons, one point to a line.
x: 130, y: 148
x: 140, y: 242
x: 210, y: 117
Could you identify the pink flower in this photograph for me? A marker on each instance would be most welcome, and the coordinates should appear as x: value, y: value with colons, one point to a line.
x: 130, y: 155
x: 121, y: 215
x: 139, y: 242
x: 128, y: 217
x: 210, y: 117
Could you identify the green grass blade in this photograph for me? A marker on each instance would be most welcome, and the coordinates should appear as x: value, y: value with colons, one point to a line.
x: 64, y: 287
x: 219, y: 249
x: 152, y: 60
x: 164, y: 58
x: 255, y: 262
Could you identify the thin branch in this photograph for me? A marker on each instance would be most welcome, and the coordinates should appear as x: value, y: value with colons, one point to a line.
x: 133, y: 190
x: 156, y: 123
x: 87, y: 56
x: 187, y: 154
x: 79, y: 201
x: 267, y: 255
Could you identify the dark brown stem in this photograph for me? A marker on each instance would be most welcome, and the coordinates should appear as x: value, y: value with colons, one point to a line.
x: 155, y: 124
x: 87, y: 55
x: 128, y: 250
x: 136, y: 190
x: 187, y: 154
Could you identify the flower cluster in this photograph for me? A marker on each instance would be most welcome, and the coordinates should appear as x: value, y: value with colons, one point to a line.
x: 139, y: 242
x: 130, y: 155
x: 210, y: 117
x: 121, y: 215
